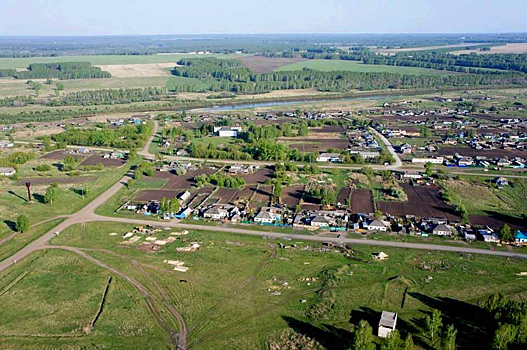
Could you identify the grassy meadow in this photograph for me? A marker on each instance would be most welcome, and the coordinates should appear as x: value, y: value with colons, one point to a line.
x: 245, y: 292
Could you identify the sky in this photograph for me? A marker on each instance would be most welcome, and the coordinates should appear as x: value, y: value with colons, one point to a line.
x: 155, y: 17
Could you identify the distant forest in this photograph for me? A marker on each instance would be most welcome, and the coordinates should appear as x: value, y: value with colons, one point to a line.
x: 229, y: 75
x: 63, y: 71
x: 16, y: 47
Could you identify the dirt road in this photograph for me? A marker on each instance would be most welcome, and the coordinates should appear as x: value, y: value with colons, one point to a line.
x: 144, y: 152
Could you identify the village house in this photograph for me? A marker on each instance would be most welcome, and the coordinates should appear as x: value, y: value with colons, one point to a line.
x: 329, y: 157
x: 387, y: 324
x: 215, y: 213
x: 404, y: 148
x: 7, y: 171
x: 375, y: 225
x: 489, y: 236
x: 184, y: 196
x: 412, y: 174
x: 442, y: 230
x: 320, y: 221
x: 268, y: 216
x: 521, y: 237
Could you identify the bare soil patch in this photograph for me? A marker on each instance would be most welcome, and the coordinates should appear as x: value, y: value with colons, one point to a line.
x: 423, y: 201
x: 182, y: 182
x: 107, y: 162
x: 496, y: 222
x: 261, y: 64
x: 225, y: 195
x: 259, y: 176
x: 291, y: 196
x: 362, y: 201
x: 319, y: 145
x: 156, y: 195
x: 507, y: 48
x: 60, y: 155
x: 470, y: 152
x: 139, y: 70
x: 263, y: 196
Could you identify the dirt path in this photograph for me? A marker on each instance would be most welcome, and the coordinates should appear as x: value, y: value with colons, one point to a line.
x: 145, y: 151
x: 181, y: 341
x: 201, y: 322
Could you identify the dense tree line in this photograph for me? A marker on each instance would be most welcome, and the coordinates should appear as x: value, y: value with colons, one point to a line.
x: 113, y: 96
x: 230, y: 77
x: 128, y: 136
x: 7, y: 73
x: 65, y: 70
x: 458, y: 63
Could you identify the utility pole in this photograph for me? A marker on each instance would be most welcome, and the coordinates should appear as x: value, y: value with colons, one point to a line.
x: 28, y: 185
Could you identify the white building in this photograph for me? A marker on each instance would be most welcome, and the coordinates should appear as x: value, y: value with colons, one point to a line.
x: 215, y: 214
x: 7, y: 171
x: 387, y: 324
x: 442, y: 230
x: 6, y: 144
x: 267, y: 217
x: 227, y: 131
x: 184, y: 196
x: 376, y: 225
x: 320, y: 221
x: 433, y: 160
x: 329, y: 157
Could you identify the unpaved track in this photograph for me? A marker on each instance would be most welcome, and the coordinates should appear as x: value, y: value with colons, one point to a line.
x: 144, y: 152
x: 201, y: 322
x: 181, y: 338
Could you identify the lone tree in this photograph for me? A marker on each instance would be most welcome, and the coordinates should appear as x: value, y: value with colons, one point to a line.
x: 277, y: 192
x: 51, y: 194
x: 433, y: 323
x: 363, y: 337
x: 22, y: 223
x: 428, y: 169
x: 449, y: 338
x: 28, y: 185
x: 505, y: 233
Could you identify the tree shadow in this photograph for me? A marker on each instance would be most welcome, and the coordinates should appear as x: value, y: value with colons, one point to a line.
x: 10, y: 224
x: 39, y: 198
x: 475, y: 325
x: 329, y: 336
x: 77, y: 191
x: 17, y: 195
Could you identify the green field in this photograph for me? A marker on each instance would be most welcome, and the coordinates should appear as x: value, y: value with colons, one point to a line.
x: 174, y: 81
x: 353, y: 66
x: 227, y: 298
x: 100, y: 60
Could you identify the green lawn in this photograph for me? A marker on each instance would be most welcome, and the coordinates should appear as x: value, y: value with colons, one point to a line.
x: 228, y: 302
x: 353, y: 66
